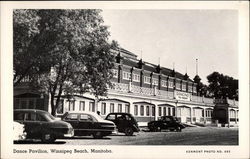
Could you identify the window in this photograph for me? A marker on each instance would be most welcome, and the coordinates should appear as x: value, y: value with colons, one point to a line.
x: 189, y: 88
x: 163, y: 83
x: 115, y: 73
x: 82, y: 106
x: 147, y: 110
x: 136, y: 77
x: 19, y: 116
x: 155, y: 81
x: 136, y: 109
x: 40, y: 117
x: 142, y: 110
x: 112, y: 107
x: 147, y: 80
x: 119, y: 107
x: 153, y: 111
x: 103, y: 109
x: 72, y: 116
x: 159, y: 111
x: 127, y: 108
x: 85, y: 117
x: 194, y: 89
x: 169, y: 111
x: 173, y: 111
x: 59, y: 109
x: 71, y: 105
x: 91, y: 106
x: 164, y: 111
x: 170, y: 84
x: 178, y: 85
x: 126, y: 75
x: 30, y: 117
x: 184, y: 86
x: 111, y: 117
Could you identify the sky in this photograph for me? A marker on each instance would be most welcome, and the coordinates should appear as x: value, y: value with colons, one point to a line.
x: 176, y: 38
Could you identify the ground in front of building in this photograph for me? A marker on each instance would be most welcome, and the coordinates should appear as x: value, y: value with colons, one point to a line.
x: 188, y: 136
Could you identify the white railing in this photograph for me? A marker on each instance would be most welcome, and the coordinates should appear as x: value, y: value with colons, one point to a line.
x: 126, y: 88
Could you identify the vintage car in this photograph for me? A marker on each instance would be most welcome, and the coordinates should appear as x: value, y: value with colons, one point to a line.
x: 19, y: 132
x: 42, y: 125
x: 166, y: 122
x: 89, y: 123
x: 124, y: 122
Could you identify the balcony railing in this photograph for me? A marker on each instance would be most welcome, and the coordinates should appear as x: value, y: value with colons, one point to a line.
x: 125, y: 88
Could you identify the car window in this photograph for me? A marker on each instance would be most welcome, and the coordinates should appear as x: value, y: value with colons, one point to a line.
x: 121, y: 117
x: 167, y: 119
x: 128, y: 117
x: 19, y: 116
x: 111, y: 117
x: 85, y: 117
x: 40, y: 117
x: 72, y: 116
x: 31, y: 116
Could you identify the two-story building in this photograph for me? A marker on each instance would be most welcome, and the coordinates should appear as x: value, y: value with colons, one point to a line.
x: 145, y: 90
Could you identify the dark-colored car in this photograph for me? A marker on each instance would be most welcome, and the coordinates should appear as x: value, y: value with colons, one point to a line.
x: 124, y: 122
x: 42, y: 125
x: 166, y: 122
x: 88, y: 123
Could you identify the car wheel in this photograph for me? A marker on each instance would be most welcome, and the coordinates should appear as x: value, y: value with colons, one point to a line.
x: 48, y: 138
x: 98, y: 135
x: 178, y: 129
x: 157, y: 129
x: 129, y: 131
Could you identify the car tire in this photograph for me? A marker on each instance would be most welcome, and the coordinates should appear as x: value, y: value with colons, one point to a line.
x: 48, y: 138
x: 178, y: 129
x: 98, y: 135
x: 128, y: 131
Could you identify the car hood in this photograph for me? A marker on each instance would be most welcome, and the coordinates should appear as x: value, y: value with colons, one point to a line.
x: 106, y: 121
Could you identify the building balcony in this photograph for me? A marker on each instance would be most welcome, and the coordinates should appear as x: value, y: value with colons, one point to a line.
x: 154, y: 92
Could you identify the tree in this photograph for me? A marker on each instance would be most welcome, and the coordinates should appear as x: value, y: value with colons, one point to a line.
x: 222, y: 86
x: 75, y: 50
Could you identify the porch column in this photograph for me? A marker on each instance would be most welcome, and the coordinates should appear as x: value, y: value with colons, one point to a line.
x: 191, y: 115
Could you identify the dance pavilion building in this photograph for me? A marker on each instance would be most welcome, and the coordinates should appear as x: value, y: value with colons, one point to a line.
x: 145, y: 90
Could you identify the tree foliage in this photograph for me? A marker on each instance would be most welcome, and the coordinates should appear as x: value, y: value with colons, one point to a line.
x: 222, y: 86
x: 74, y: 44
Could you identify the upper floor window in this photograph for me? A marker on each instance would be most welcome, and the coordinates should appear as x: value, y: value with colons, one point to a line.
x: 103, y: 109
x: 142, y: 110
x: 183, y: 86
x: 178, y: 85
x: 136, y: 110
x: 112, y: 107
x: 136, y: 77
x: 115, y: 73
x: 126, y: 75
x: 155, y: 81
x: 147, y: 79
x: 163, y: 83
x: 82, y: 105
x: 71, y: 105
x: 170, y: 84
x: 189, y: 88
x: 194, y: 89
x: 127, y: 108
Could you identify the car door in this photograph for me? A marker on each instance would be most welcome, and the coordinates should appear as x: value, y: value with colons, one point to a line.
x: 72, y: 118
x: 32, y: 126
x: 86, y: 124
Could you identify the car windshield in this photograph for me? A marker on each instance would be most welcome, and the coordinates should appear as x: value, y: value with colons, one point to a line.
x: 48, y: 116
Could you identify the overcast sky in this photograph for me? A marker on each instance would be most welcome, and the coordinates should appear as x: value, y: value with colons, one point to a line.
x: 179, y: 36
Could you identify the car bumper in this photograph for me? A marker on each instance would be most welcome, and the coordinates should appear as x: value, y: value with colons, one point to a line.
x: 70, y: 134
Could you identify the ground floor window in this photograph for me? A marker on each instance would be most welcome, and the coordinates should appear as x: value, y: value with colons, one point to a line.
x: 112, y: 107
x: 164, y: 111
x: 147, y: 110
x: 142, y: 110
x: 153, y: 111
x: 103, y: 109
x: 91, y: 106
x: 71, y: 105
x: 173, y: 111
x: 169, y: 111
x: 136, y: 110
x: 127, y: 108
x: 119, y: 107
x: 82, y: 105
x: 159, y: 111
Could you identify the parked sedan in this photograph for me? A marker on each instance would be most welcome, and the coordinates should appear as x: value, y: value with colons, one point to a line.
x: 88, y: 123
x: 166, y: 122
x: 125, y: 122
x: 42, y: 125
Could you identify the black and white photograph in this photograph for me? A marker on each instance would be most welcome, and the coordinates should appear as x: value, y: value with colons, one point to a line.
x: 85, y: 80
